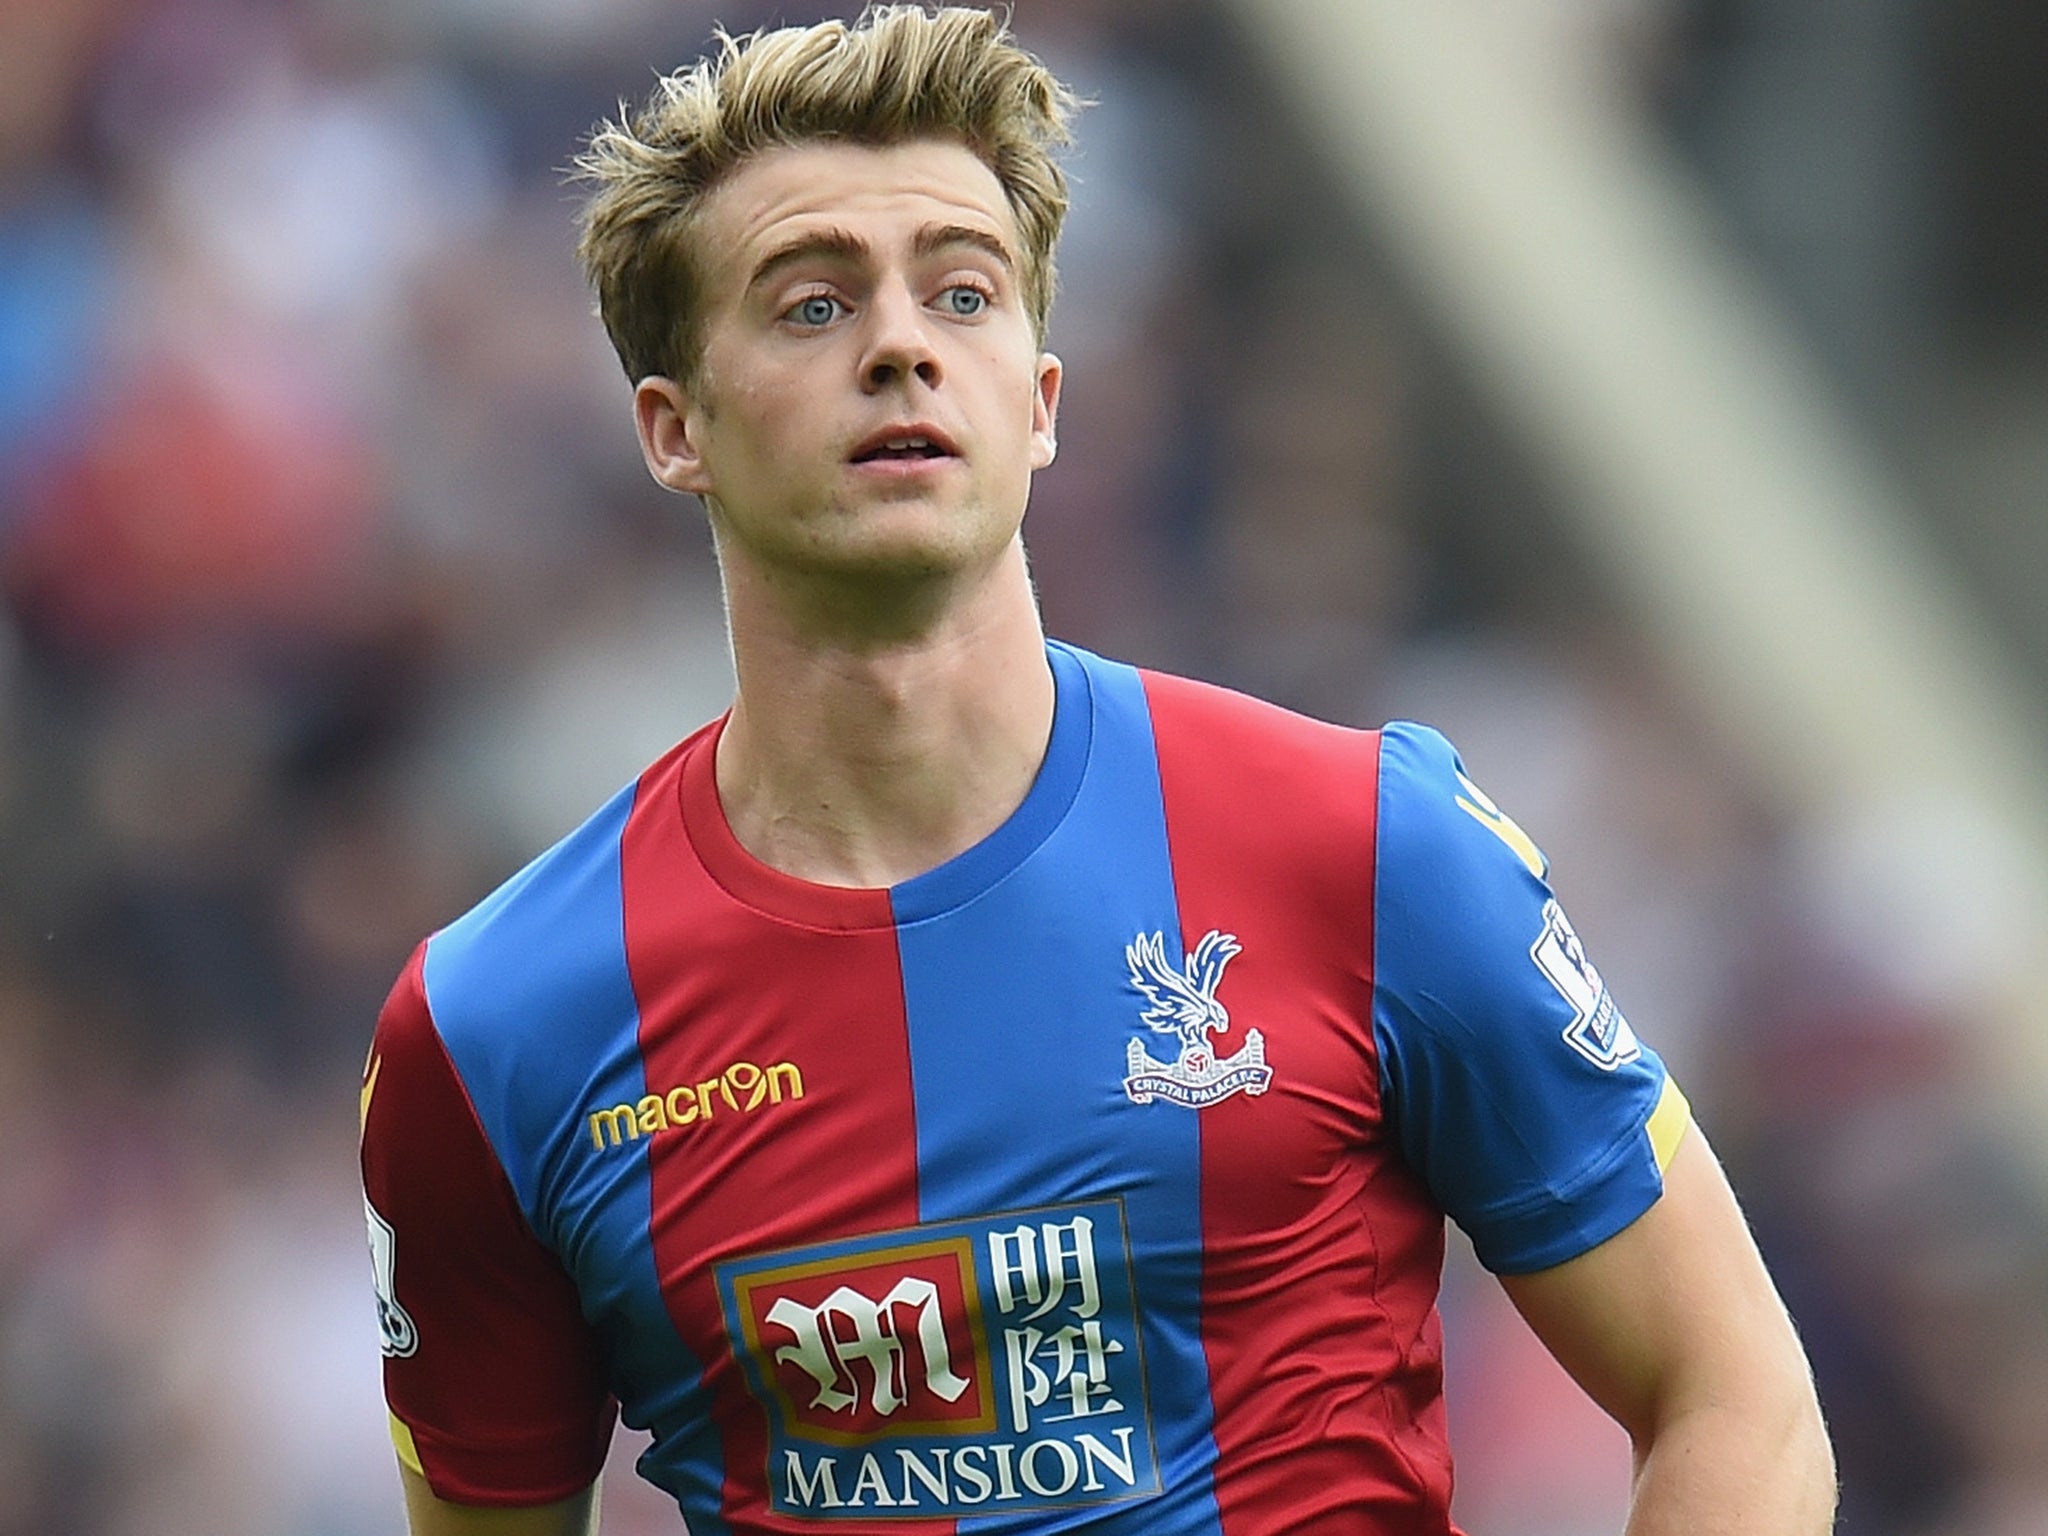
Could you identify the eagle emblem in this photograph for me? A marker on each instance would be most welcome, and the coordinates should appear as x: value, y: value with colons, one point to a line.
x: 1181, y: 1001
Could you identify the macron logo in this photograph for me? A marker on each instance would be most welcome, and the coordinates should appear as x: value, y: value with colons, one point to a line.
x: 741, y: 1089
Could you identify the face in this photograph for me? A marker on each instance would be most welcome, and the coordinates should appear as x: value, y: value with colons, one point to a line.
x: 871, y: 400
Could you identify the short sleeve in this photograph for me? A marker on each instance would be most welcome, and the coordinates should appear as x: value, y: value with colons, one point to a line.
x: 1519, y: 1092
x: 490, y: 1372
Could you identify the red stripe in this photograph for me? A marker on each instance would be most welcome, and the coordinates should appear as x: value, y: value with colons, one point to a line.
x: 719, y: 983
x: 1321, y: 1250
x: 504, y: 1394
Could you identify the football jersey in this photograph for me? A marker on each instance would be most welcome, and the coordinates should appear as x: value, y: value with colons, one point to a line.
x: 1094, y: 1180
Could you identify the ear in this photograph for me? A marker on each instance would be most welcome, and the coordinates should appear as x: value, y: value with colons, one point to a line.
x: 669, y: 424
x: 1045, y: 411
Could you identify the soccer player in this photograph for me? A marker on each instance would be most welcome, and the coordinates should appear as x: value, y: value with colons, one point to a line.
x: 975, y: 1084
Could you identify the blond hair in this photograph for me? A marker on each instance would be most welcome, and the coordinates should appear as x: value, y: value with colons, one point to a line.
x: 900, y: 73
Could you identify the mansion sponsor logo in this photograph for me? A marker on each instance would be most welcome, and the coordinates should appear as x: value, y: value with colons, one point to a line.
x: 978, y: 1365
x: 740, y: 1089
x: 1000, y: 1475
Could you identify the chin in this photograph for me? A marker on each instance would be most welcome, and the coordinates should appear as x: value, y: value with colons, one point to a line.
x: 908, y: 544
x: 909, y: 561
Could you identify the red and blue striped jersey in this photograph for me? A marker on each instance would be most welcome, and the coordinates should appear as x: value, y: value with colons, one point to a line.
x: 1094, y: 1180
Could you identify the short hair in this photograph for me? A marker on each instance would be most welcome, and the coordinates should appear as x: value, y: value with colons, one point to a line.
x: 897, y: 75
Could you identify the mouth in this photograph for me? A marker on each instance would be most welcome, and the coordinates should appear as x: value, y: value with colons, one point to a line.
x: 904, y: 445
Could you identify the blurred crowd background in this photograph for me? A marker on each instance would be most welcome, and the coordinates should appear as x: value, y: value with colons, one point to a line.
x: 331, y: 589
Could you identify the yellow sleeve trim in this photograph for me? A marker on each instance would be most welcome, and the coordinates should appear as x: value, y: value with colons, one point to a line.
x: 369, y: 1088
x: 408, y: 1453
x: 1668, y: 1122
x: 1502, y: 826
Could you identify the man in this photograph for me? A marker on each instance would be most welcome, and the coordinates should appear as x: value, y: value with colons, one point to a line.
x: 974, y: 1078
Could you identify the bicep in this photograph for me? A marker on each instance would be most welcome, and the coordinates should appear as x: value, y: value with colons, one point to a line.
x: 430, y: 1516
x: 1674, y: 1312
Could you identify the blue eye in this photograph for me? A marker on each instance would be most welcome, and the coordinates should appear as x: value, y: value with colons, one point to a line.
x: 964, y: 299
x: 818, y: 309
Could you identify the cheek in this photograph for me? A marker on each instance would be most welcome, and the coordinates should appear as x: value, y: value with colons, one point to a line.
x: 763, y: 426
x: 1014, y: 391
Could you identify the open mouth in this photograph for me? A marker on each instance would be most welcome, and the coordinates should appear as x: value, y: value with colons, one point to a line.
x: 907, y: 446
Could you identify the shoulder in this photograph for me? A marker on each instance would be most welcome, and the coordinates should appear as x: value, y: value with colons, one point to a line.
x: 1251, y: 739
x: 1284, y: 803
x: 531, y: 987
x: 1403, y: 784
x: 1240, y: 719
x: 540, y: 934
x: 1434, y: 817
x: 1463, y: 893
x: 550, y: 939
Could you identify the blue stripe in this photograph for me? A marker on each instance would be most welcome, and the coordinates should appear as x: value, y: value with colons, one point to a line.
x: 530, y: 991
x: 1052, y: 795
x: 1019, y: 1010
x: 532, y: 994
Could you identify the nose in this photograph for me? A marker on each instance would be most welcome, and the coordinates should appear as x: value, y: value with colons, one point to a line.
x: 899, y: 342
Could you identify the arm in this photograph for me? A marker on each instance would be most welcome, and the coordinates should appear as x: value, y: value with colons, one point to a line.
x: 1674, y: 1328
x: 429, y: 1516
x: 492, y: 1376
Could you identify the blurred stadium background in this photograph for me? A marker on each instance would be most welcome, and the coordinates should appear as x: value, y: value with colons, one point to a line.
x: 1651, y: 393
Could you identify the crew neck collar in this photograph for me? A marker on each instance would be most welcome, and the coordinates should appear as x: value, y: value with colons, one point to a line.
x: 952, y: 884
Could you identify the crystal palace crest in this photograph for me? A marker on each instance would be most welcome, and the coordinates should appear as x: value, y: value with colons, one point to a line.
x: 1182, y: 1002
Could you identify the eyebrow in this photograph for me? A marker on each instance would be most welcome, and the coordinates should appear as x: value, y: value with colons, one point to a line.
x: 934, y: 238
x: 842, y: 245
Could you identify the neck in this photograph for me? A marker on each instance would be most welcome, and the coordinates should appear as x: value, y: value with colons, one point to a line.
x: 872, y: 742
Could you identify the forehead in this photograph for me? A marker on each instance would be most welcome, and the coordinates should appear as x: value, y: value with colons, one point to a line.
x: 878, y: 192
